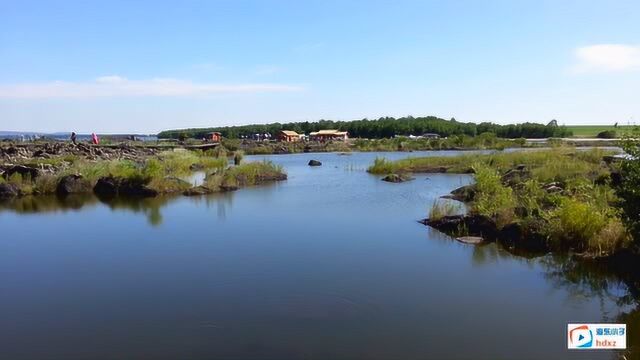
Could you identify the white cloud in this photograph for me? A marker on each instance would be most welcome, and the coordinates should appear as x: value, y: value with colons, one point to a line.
x: 607, y: 58
x: 117, y: 86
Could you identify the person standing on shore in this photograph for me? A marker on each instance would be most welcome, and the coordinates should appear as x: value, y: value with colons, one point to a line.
x: 94, y: 139
x: 73, y: 138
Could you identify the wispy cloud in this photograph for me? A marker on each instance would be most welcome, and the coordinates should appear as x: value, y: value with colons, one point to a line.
x: 607, y: 58
x: 117, y: 86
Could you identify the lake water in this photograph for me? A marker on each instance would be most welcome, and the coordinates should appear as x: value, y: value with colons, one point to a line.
x: 330, y: 264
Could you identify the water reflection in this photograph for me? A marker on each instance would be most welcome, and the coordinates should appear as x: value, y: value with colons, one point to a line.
x: 614, y: 286
x: 588, y: 280
x: 149, y: 207
x: 47, y: 204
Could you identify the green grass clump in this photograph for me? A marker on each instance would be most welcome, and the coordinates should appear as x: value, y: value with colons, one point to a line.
x: 586, y: 227
x: 252, y: 173
x: 440, y: 209
x: 238, y: 155
x: 493, y: 199
x: 382, y: 166
x: 45, y: 184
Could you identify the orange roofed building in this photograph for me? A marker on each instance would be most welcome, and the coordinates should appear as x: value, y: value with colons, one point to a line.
x: 326, y: 135
x: 288, y: 136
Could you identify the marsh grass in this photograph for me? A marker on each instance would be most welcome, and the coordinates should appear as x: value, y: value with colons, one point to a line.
x: 382, y: 166
x: 252, y: 173
x: 493, y: 198
x: 442, y: 208
x: 559, y: 164
x: 45, y: 184
x: 238, y: 155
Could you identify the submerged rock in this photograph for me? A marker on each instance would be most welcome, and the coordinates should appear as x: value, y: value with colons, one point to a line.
x: 9, y: 191
x: 314, y: 163
x: 73, y: 184
x: 397, y: 178
x: 113, y: 186
x: 472, y: 240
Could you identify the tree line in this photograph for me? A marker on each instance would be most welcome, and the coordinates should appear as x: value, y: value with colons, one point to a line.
x: 384, y: 127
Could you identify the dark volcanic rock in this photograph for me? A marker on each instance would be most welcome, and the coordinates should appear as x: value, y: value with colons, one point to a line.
x: 229, y: 187
x: 314, y: 163
x: 73, y: 184
x: 516, y: 175
x: 106, y: 186
x: 113, y: 186
x: 518, y: 237
x: 197, y: 190
x: 476, y: 225
x: 24, y: 171
x: 464, y: 193
x: 397, y: 178
x: 270, y: 177
x: 9, y: 191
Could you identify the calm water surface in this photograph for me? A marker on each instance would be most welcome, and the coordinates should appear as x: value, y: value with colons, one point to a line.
x: 330, y: 264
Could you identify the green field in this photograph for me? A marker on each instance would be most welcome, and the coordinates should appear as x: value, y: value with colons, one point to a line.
x: 590, y: 131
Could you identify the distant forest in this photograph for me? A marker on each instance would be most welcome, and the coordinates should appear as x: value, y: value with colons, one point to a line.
x: 385, y: 127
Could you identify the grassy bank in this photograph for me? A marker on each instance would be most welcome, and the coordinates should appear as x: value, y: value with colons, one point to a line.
x: 454, y: 142
x: 563, y: 197
x: 556, y: 164
x: 591, y: 131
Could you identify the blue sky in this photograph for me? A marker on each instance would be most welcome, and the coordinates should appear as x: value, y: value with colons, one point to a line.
x: 145, y: 66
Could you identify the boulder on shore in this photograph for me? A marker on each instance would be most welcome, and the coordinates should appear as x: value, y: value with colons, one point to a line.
x: 516, y: 175
x: 464, y: 193
x: 24, y: 171
x: 73, y: 184
x: 397, y: 178
x: 9, y: 191
x: 110, y: 186
x: 314, y: 163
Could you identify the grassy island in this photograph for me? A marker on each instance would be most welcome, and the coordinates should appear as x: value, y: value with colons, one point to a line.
x: 560, y: 199
x: 142, y: 175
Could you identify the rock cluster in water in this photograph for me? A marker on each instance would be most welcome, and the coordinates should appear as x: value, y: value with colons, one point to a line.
x: 397, y: 178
